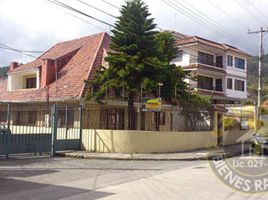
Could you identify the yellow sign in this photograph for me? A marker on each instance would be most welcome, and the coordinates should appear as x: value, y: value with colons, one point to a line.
x: 153, y: 105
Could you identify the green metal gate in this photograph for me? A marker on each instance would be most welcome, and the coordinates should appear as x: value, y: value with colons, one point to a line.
x: 39, y: 129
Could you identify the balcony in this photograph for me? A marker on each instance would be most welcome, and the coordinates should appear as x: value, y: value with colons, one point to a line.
x: 205, y: 85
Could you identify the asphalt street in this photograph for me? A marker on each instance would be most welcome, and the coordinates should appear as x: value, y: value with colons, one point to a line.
x: 69, y: 178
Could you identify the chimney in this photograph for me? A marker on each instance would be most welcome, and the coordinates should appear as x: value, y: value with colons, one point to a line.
x: 47, y: 72
x: 13, y: 66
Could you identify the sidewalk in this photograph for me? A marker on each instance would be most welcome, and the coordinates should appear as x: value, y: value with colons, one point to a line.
x: 202, y: 154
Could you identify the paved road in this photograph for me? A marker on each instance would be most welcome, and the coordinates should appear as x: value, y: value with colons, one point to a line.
x: 74, y: 179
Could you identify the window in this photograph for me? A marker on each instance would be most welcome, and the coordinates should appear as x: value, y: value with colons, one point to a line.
x: 179, y: 56
x: 205, y: 58
x: 229, y: 83
x: 230, y: 60
x: 239, y: 85
x: 31, y: 83
x: 239, y: 63
x: 205, y: 82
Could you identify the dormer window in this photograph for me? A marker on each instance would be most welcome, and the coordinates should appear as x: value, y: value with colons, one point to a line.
x: 27, y: 79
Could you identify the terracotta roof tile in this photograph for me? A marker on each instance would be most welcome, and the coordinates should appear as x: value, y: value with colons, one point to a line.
x: 200, y: 40
x: 70, y: 83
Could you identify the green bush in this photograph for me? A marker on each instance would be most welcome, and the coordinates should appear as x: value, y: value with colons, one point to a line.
x: 230, y: 123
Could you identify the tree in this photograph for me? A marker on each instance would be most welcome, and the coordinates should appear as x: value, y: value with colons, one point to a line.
x: 174, y: 86
x: 133, y: 57
x: 140, y: 56
x: 195, y: 108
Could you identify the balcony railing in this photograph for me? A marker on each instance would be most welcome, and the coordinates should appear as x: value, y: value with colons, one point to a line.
x: 214, y: 64
x: 217, y: 88
x: 219, y: 65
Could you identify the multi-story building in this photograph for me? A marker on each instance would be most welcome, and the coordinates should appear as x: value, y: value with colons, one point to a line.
x: 219, y: 70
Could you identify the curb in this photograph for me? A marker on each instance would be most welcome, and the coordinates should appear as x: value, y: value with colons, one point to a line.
x: 209, y: 157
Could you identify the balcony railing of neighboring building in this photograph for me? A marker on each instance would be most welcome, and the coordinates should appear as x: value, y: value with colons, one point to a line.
x: 218, y: 88
x: 218, y: 64
x: 217, y: 91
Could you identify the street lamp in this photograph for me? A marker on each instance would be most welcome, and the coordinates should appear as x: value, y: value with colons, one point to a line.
x: 159, y: 90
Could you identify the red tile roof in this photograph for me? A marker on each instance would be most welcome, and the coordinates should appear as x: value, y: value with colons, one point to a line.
x: 196, y: 39
x: 88, y: 52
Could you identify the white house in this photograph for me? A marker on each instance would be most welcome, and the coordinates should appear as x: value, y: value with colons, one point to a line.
x: 220, y: 70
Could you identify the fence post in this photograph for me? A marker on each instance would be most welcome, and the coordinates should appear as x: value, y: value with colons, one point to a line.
x: 54, y: 125
x: 8, y: 115
x: 80, y: 126
x: 8, y: 128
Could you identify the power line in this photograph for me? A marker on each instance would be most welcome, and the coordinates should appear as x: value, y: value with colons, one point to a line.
x: 85, y: 21
x: 79, y: 12
x: 257, y: 9
x: 25, y: 51
x: 81, y: 19
x: 89, y: 5
x: 249, y: 11
x: 193, y: 17
x: 227, y: 14
x: 6, y: 47
x: 111, y: 4
x: 209, y: 21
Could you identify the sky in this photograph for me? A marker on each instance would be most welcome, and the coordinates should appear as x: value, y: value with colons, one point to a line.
x: 36, y: 25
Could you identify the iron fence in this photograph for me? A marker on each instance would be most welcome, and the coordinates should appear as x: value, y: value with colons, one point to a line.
x: 26, y: 128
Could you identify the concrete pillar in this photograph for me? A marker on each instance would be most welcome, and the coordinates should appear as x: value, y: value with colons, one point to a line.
x: 222, y: 128
x: 215, y: 122
x: 138, y: 118
x: 126, y: 118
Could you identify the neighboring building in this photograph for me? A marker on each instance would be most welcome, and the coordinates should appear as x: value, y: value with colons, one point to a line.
x: 220, y: 70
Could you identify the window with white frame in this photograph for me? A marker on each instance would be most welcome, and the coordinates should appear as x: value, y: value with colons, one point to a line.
x: 239, y: 63
x: 239, y: 85
x: 205, y: 58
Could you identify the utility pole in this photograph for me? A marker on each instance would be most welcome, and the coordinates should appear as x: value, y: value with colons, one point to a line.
x: 261, y: 33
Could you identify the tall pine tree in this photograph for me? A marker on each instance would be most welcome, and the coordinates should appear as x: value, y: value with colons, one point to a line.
x: 139, y: 57
x: 133, y: 57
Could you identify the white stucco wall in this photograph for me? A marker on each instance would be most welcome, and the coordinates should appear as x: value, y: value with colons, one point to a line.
x: 16, y: 80
x: 190, y: 54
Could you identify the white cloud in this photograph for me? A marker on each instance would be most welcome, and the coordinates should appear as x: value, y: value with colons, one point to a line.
x: 38, y: 24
